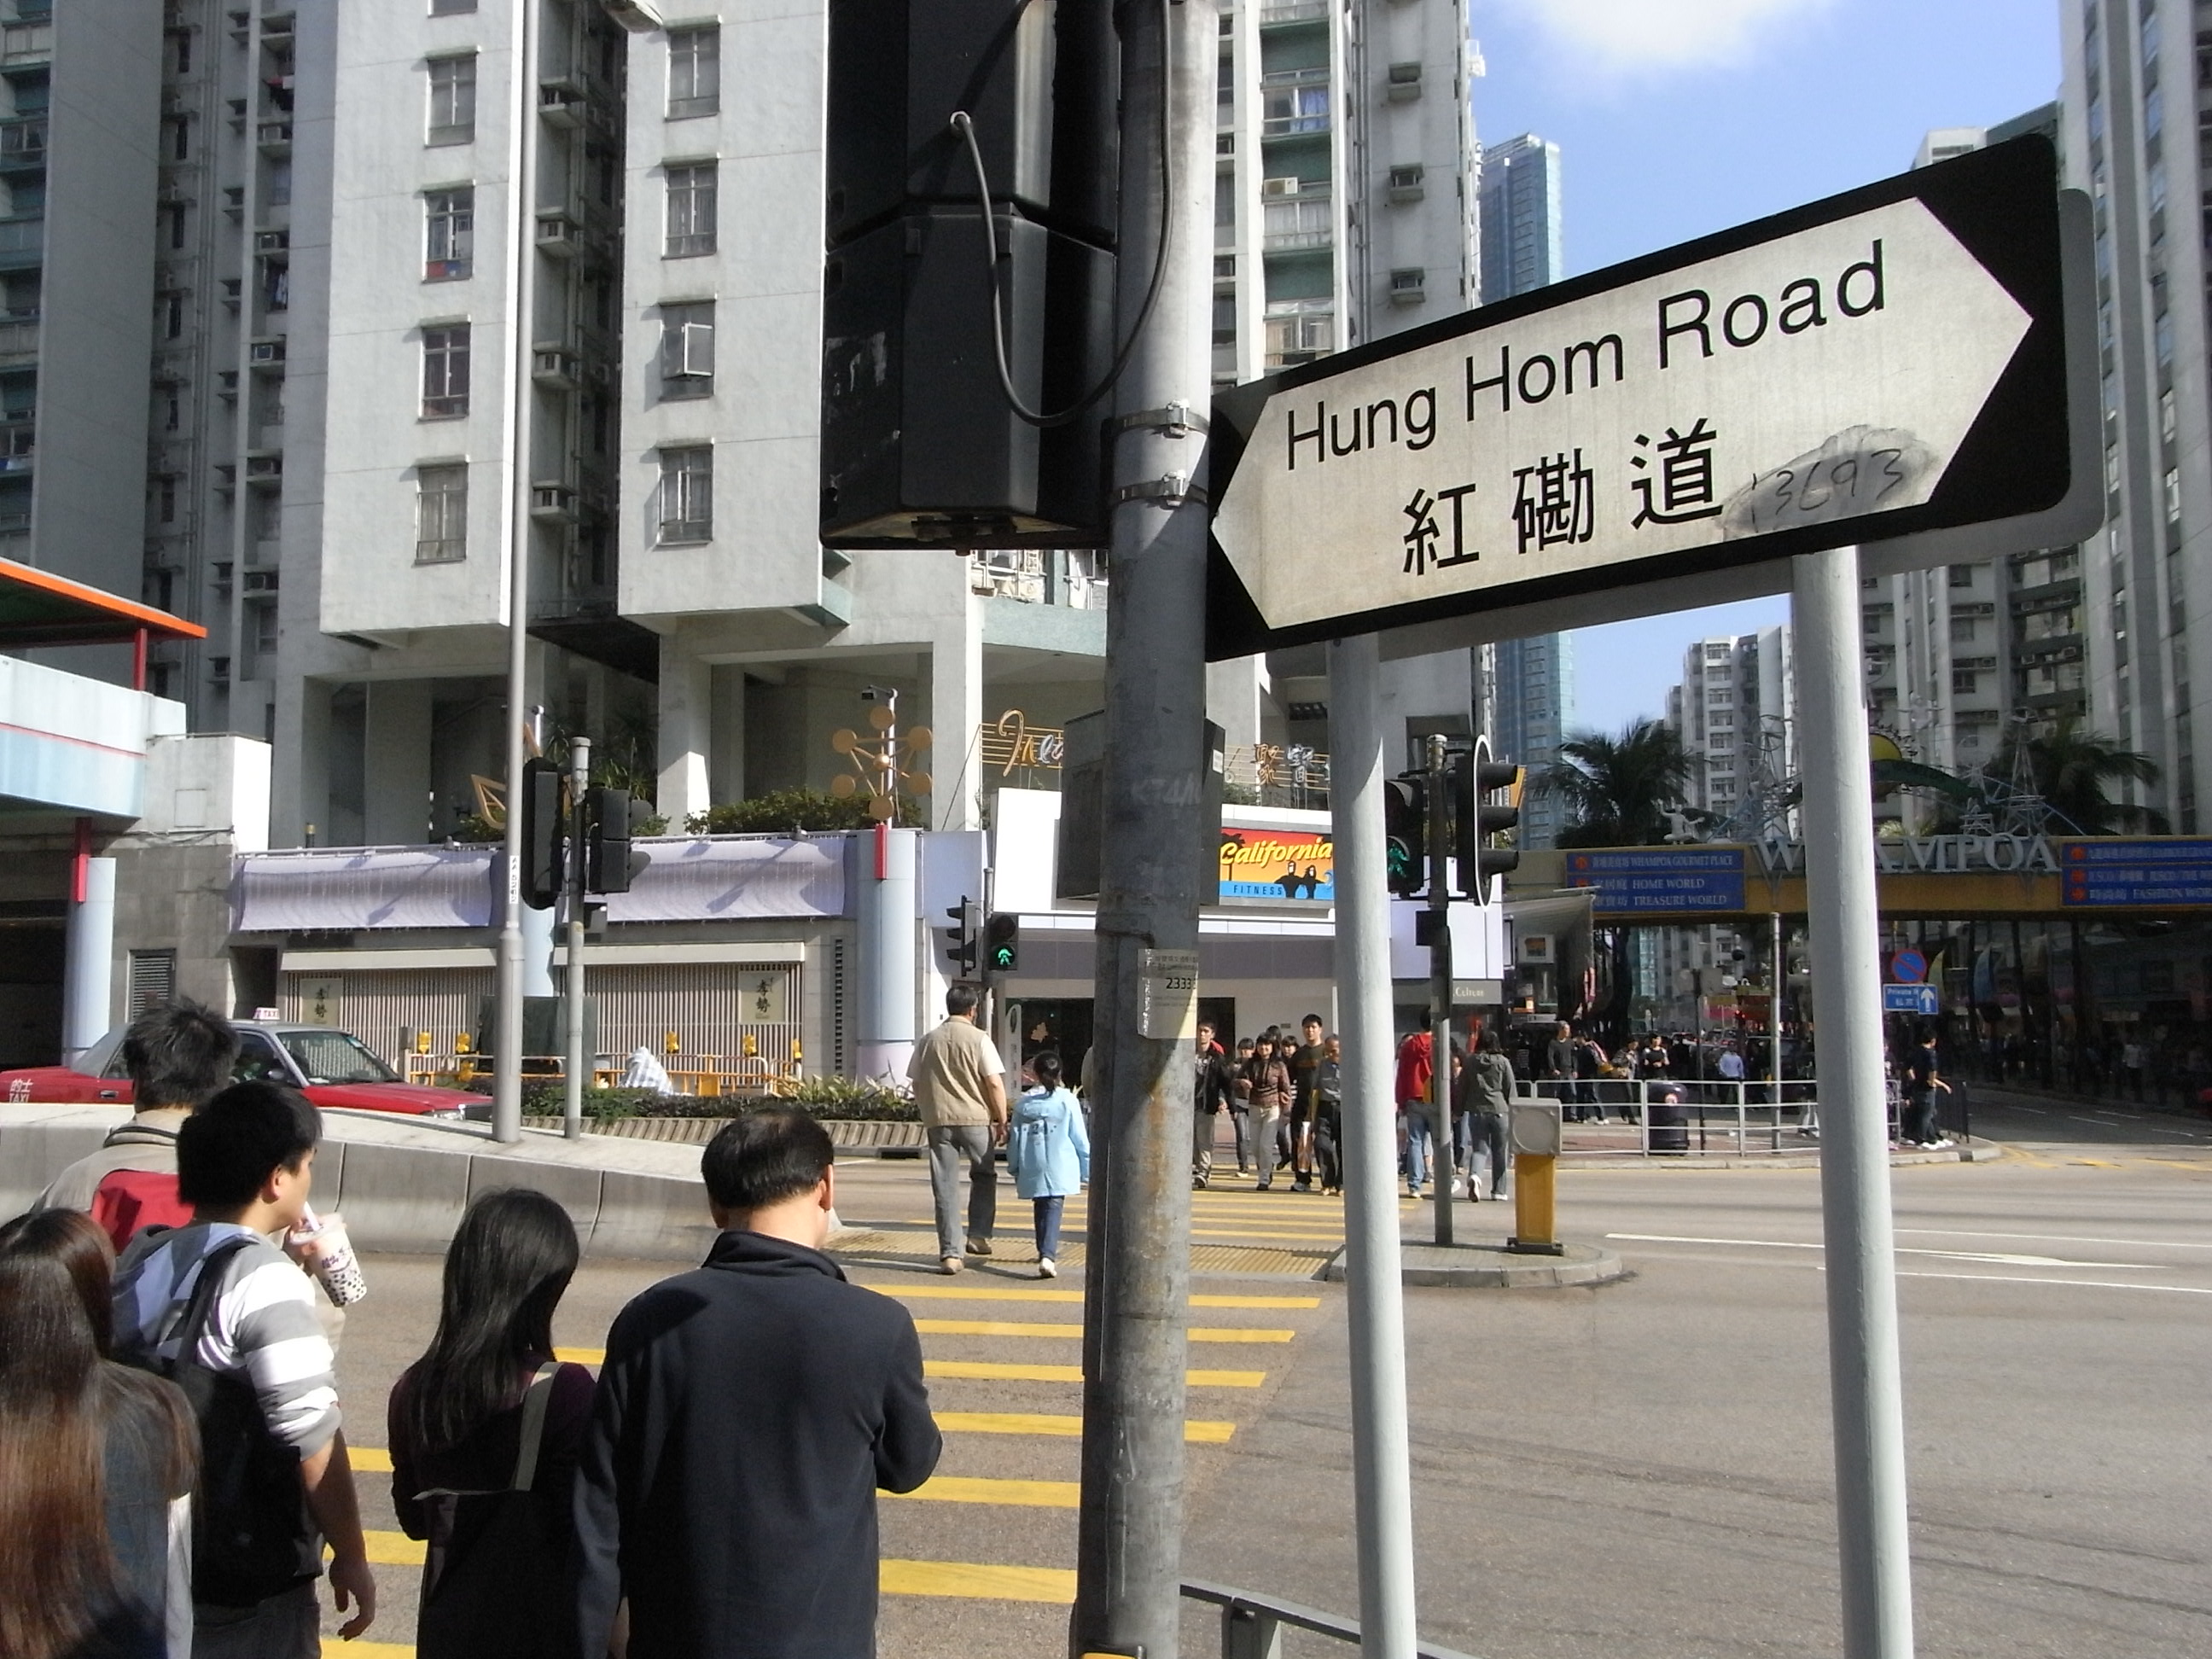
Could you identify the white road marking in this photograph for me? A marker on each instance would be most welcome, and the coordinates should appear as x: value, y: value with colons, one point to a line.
x: 2053, y: 1238
x: 2086, y: 1283
x: 1999, y: 1259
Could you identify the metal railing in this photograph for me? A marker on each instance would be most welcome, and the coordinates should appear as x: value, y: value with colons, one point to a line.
x: 1252, y: 1626
x: 1721, y: 1114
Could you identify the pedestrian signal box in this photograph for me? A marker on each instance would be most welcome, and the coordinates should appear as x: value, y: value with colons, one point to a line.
x: 1002, y: 943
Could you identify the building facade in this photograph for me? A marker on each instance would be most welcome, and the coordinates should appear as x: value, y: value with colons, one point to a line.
x: 1735, y: 710
x: 1519, y: 217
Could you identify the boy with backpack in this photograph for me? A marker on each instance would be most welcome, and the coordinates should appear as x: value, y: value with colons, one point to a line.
x: 178, y: 1055
x: 229, y: 1316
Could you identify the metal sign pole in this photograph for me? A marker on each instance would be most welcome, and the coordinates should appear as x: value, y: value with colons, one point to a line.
x: 1865, y: 1385
x: 1440, y: 980
x: 1381, y: 1471
x: 572, y: 1067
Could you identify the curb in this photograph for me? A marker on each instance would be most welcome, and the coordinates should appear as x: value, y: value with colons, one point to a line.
x: 1494, y: 1267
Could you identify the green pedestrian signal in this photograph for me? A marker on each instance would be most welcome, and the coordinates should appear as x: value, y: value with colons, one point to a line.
x: 1002, y: 943
x: 1406, y: 834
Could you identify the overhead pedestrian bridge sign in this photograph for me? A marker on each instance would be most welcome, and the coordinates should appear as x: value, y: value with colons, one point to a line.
x: 1886, y: 362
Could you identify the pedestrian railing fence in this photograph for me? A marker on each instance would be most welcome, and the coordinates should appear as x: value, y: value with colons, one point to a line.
x: 1252, y: 1626
x: 1718, y: 1116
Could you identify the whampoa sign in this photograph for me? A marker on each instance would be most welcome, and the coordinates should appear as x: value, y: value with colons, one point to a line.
x: 1910, y: 855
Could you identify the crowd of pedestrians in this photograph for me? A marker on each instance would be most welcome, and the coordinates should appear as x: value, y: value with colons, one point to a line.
x: 173, y: 1468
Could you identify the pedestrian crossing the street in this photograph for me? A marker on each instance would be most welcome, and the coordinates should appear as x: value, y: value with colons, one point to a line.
x: 1012, y: 1431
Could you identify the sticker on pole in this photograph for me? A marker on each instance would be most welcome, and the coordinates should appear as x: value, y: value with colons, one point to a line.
x: 1884, y: 363
x: 1167, y: 994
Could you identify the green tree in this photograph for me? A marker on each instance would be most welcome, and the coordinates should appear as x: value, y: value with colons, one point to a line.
x: 2073, y: 771
x: 1619, y: 790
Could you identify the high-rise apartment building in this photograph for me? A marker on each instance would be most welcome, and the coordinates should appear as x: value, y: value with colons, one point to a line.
x: 1530, y: 683
x: 1519, y: 217
x: 2135, y: 137
x: 1734, y: 711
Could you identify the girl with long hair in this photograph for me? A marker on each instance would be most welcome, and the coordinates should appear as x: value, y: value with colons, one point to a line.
x: 484, y: 1431
x: 96, y: 1462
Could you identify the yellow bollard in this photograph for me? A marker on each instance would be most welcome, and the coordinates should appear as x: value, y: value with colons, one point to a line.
x: 1535, y: 1193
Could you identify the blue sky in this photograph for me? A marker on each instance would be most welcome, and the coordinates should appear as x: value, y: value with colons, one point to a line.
x: 1675, y: 117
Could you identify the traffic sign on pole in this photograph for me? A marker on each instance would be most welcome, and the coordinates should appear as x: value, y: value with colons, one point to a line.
x: 1911, y: 999
x: 1886, y: 362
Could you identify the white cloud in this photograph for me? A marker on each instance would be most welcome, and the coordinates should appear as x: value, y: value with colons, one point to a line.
x: 1613, y: 36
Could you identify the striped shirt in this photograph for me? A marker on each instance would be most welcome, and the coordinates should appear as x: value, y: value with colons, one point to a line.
x: 262, y: 1324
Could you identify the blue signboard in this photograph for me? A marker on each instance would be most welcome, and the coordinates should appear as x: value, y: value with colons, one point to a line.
x: 1661, y: 880
x: 1911, y: 1000
x: 2168, y: 871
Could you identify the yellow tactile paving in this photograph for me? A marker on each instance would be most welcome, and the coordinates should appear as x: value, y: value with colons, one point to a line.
x: 968, y: 1489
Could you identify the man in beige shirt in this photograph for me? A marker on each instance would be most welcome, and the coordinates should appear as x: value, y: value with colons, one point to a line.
x: 959, y: 1083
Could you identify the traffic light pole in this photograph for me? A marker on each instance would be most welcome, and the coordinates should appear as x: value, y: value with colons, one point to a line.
x: 1129, y: 1563
x: 572, y: 1065
x: 1440, y: 977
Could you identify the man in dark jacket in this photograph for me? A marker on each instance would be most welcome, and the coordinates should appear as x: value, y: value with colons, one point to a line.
x: 1210, y: 1093
x: 747, y: 1413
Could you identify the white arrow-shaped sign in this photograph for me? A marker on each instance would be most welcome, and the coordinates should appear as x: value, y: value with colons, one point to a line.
x: 1827, y: 375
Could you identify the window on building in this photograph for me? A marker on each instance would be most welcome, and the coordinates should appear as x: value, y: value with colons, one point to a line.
x: 694, y: 72
x: 690, y: 208
x: 445, y: 370
x: 453, y: 100
x: 687, y: 350
x: 449, y: 235
x: 687, y: 495
x: 173, y: 316
x: 1961, y: 575
x: 180, y: 45
x: 1962, y: 630
x: 1963, y: 681
x: 441, y: 514
x: 451, y: 7
x: 2172, y: 494
x: 151, y: 982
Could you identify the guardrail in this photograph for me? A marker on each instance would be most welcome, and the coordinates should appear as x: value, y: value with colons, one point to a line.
x: 1252, y: 1626
x: 1746, y: 1117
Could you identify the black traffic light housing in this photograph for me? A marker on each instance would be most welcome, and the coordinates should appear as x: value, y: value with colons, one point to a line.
x: 963, y: 939
x: 542, y: 867
x: 1405, y: 834
x: 610, y: 817
x: 1478, y: 814
x: 1002, y: 943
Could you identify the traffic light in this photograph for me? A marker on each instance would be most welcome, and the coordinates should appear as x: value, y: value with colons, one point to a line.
x: 1405, y: 834
x: 1478, y: 814
x: 610, y: 819
x: 1002, y: 943
x: 542, y: 867
x: 961, y: 943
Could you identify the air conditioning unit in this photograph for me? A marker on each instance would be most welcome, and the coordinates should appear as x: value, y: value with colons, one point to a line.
x: 270, y: 134
x: 264, y: 467
x: 1278, y: 187
x: 272, y: 241
x: 267, y: 351
x: 1408, y: 288
x: 1404, y: 84
x: 260, y: 582
x: 552, y: 365
x: 560, y: 235
x: 552, y: 500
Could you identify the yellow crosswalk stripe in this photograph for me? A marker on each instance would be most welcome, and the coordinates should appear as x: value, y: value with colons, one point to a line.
x: 1063, y: 1427
x: 989, y: 1294
x: 1247, y: 1233
x: 979, y: 1371
x: 1027, y: 1327
x: 1029, y: 1494
x: 369, y: 1459
x: 1053, y: 1584
x: 335, y: 1649
x: 393, y: 1549
x: 580, y: 1355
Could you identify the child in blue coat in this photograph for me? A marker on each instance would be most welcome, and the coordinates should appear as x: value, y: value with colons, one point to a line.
x: 1049, y: 1151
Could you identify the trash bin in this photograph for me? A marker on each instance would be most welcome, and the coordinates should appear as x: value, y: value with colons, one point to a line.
x: 1669, y: 1132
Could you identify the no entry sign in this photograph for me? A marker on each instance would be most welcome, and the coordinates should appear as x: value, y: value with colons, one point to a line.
x: 1886, y: 362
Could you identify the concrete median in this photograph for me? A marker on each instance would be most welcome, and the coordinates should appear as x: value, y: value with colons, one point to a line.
x: 402, y: 1184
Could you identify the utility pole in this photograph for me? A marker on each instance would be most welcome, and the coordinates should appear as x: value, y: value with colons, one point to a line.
x: 1440, y: 976
x: 1865, y: 1383
x: 1382, y: 1455
x: 572, y: 1067
x: 1129, y: 1562
x: 520, y: 299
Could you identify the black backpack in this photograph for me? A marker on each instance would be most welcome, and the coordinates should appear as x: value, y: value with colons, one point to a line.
x: 497, y: 1585
x: 252, y: 1536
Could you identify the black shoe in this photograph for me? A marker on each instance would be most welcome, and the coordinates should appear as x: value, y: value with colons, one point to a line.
x: 1262, y: 1186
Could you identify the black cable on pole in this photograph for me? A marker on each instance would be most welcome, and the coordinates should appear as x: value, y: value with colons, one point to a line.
x: 965, y: 127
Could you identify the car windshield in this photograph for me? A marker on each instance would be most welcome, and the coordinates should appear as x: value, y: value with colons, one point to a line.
x: 334, y: 1057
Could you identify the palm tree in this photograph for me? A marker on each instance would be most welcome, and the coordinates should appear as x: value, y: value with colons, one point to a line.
x: 2071, y: 769
x: 1620, y: 790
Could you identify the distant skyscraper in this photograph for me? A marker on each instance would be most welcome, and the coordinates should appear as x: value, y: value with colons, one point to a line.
x: 1519, y: 203
x: 1532, y: 681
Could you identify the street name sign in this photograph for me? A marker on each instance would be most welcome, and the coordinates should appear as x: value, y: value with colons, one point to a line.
x: 1888, y: 362
x: 2162, y: 873
x: 1914, y: 999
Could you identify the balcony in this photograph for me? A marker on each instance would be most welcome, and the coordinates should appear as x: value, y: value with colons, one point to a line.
x: 1293, y: 103
x: 1284, y: 13
x: 27, y: 43
x: 19, y: 335
x: 18, y: 439
x: 1304, y: 221
x: 23, y: 142
x: 22, y: 241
